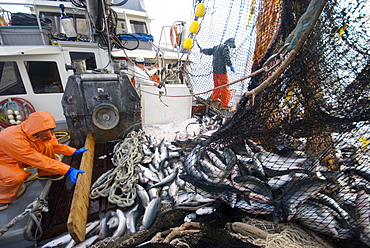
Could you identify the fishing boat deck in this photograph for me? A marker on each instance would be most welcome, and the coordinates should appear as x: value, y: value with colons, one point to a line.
x: 59, y: 198
x: 61, y: 193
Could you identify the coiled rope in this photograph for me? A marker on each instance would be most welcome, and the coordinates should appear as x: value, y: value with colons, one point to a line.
x: 118, y: 184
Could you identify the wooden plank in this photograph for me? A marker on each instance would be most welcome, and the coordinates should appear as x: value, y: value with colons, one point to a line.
x: 77, y: 218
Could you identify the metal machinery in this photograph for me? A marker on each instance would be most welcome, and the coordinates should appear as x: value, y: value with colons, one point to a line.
x: 107, y: 105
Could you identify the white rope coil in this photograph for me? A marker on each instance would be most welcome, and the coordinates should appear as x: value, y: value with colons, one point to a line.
x: 119, y: 184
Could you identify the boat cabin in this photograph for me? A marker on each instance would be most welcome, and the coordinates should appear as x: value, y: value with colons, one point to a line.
x: 36, y: 58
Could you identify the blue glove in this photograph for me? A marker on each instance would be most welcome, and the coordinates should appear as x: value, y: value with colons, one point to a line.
x: 201, y: 50
x: 80, y: 150
x: 73, y: 173
x: 232, y: 68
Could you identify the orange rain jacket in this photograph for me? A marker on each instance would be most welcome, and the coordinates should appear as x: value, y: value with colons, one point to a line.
x: 20, y: 149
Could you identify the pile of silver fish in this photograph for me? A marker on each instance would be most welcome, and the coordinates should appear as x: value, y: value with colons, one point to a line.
x: 246, y: 177
x: 111, y: 224
x: 65, y: 239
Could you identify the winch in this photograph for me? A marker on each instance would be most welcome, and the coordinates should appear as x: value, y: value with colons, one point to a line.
x: 107, y: 105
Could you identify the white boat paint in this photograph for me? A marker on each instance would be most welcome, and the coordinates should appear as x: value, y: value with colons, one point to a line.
x: 60, y: 54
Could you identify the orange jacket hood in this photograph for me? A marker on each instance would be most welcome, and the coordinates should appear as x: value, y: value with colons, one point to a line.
x: 37, y: 122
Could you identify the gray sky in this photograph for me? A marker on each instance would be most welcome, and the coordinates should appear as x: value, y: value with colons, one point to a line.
x: 166, y: 12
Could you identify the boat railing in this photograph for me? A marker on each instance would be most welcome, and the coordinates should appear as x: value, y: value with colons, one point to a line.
x: 15, y: 34
x: 172, y: 37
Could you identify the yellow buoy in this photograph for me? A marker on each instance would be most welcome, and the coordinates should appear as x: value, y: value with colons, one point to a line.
x: 200, y: 10
x: 188, y: 43
x: 194, y: 27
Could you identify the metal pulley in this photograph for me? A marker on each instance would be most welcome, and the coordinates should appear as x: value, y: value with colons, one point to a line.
x: 107, y: 105
x: 105, y: 116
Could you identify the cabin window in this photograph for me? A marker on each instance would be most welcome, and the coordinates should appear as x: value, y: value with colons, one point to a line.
x: 10, y: 79
x: 44, y: 77
x: 88, y: 57
x: 138, y: 27
x: 79, y: 22
x: 121, y: 27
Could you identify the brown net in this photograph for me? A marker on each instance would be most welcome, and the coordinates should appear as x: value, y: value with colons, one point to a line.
x: 295, y: 153
x: 324, y: 90
x: 300, y: 143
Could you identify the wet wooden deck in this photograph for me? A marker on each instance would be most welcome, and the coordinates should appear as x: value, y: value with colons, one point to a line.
x: 54, y: 222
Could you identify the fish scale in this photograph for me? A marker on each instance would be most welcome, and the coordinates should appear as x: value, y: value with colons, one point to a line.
x: 277, y: 162
x: 213, y: 172
x: 121, y: 229
x: 297, y: 192
x: 363, y: 203
x: 318, y: 218
x: 341, y: 215
x: 191, y: 161
x: 150, y: 213
x: 253, y: 184
x: 216, y: 159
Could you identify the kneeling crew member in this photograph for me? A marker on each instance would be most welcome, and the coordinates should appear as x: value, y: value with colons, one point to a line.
x: 32, y: 144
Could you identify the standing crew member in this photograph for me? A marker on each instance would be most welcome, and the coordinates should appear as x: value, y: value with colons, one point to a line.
x: 142, y: 75
x: 32, y: 144
x: 221, y: 59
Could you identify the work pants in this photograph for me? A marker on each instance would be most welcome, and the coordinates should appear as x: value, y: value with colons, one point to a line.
x: 13, y: 175
x: 224, y: 92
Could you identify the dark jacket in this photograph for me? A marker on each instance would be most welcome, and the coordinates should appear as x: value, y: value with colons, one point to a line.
x: 221, y: 56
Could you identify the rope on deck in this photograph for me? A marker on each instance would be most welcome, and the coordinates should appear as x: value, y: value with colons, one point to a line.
x: 33, y: 209
x: 119, y: 183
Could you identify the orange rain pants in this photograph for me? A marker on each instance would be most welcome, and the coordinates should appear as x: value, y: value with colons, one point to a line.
x: 224, y: 93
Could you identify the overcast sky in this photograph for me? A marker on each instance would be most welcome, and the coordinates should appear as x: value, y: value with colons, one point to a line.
x: 166, y: 12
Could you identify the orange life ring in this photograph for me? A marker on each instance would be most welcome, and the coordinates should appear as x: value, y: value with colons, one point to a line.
x: 174, y: 37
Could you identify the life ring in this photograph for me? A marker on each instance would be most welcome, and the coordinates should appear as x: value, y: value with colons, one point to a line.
x: 175, y: 37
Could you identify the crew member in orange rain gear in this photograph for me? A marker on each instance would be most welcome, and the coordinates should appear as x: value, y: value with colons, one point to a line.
x: 31, y: 144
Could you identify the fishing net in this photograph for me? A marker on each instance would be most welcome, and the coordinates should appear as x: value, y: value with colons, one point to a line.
x: 300, y: 130
x: 289, y: 167
x: 288, y: 235
x: 236, y: 20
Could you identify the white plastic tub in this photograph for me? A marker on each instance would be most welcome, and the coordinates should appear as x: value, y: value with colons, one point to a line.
x: 170, y: 109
